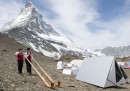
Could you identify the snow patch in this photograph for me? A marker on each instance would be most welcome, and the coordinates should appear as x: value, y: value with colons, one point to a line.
x: 34, y: 48
x: 95, y: 53
x: 46, y: 53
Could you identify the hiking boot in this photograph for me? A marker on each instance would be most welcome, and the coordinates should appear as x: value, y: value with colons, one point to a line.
x: 29, y: 74
x: 20, y: 74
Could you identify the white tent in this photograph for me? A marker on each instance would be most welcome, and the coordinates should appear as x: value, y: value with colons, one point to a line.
x: 127, y: 65
x: 101, y: 71
x: 74, y: 69
x: 67, y: 71
x: 76, y: 62
x: 71, y: 70
x: 60, y: 65
x: 121, y: 64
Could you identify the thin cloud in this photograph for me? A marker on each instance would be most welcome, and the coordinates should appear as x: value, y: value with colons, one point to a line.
x: 76, y: 15
x: 9, y: 9
x: 73, y: 18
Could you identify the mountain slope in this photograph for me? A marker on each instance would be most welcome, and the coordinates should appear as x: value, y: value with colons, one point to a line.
x: 11, y: 81
x: 30, y: 29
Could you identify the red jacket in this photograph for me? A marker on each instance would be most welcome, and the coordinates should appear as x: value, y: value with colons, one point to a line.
x: 20, y: 56
x: 29, y: 56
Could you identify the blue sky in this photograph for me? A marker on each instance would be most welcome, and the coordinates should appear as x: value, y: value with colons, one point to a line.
x: 109, y: 9
x: 89, y: 23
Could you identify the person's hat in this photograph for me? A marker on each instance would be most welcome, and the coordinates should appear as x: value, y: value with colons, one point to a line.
x: 20, y: 49
x: 28, y: 48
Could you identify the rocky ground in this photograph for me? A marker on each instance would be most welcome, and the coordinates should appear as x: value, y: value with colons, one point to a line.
x: 11, y: 81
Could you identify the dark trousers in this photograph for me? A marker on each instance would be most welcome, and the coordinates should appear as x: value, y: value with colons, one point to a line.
x: 20, y: 66
x: 28, y: 66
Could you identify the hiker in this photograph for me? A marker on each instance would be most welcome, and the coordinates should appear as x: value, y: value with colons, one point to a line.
x: 28, y: 56
x: 20, y: 58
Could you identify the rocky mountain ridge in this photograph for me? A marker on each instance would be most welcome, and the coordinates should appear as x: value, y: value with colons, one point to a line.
x: 30, y: 29
x: 123, y: 51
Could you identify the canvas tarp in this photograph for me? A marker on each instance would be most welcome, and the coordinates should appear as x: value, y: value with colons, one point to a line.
x: 77, y: 62
x: 101, y: 71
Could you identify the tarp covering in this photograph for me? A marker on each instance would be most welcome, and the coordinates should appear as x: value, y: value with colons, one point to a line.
x: 101, y: 71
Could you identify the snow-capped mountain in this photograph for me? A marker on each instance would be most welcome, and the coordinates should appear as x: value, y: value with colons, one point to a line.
x: 123, y: 51
x: 30, y: 29
x: 92, y: 53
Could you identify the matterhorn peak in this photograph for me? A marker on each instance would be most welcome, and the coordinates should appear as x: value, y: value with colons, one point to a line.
x: 29, y: 29
x: 29, y: 4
